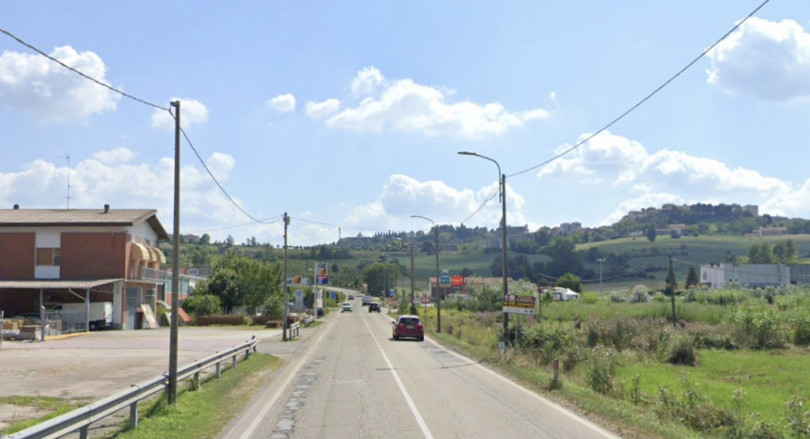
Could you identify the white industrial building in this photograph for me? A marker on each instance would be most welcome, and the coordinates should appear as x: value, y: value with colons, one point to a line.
x: 750, y: 275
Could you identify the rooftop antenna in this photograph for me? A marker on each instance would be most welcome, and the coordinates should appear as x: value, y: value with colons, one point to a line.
x: 68, y: 180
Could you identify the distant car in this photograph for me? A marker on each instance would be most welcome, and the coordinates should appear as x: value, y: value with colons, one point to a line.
x: 347, y: 306
x: 366, y: 300
x: 351, y: 297
x: 408, y: 326
x: 374, y: 307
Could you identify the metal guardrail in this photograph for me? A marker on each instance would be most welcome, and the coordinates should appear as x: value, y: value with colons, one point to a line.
x: 295, y: 329
x: 81, y: 418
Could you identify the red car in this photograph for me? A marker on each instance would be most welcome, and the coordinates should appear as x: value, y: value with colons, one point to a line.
x: 408, y: 326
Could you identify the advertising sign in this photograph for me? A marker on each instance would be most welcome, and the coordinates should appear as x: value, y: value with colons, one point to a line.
x: 456, y: 281
x: 321, y: 274
x: 515, y: 304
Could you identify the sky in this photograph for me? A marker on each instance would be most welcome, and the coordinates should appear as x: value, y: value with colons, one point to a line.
x: 349, y: 115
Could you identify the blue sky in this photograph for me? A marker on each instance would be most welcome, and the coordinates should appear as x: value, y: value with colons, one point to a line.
x: 349, y: 115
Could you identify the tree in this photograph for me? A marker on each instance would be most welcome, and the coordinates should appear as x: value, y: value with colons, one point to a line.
x: 760, y: 254
x: 692, y: 278
x: 570, y: 281
x: 241, y: 282
x: 379, y: 276
x: 650, y: 232
x: 205, y: 239
x: 564, y: 258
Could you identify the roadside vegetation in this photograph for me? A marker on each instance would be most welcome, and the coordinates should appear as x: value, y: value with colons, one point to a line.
x: 731, y: 365
x: 204, y: 411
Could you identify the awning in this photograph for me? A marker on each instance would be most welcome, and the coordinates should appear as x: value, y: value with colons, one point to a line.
x: 139, y: 252
x: 160, y: 256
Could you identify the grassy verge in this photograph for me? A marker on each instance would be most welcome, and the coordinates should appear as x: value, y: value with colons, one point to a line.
x: 49, y: 407
x: 204, y: 412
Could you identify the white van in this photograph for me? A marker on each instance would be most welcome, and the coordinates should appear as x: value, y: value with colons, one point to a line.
x: 101, y: 313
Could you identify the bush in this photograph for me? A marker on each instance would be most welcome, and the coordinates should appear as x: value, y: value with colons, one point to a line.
x: 233, y: 320
x: 679, y: 349
x: 801, y: 329
x: 202, y: 304
x: 601, y: 371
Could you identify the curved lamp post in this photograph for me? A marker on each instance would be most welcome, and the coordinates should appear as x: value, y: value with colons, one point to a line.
x: 438, y: 282
x: 502, y: 190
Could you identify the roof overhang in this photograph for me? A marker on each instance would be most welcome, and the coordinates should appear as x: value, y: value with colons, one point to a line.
x: 53, y: 284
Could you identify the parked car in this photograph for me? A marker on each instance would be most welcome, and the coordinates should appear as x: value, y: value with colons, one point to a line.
x: 347, y: 306
x: 408, y: 326
x: 374, y: 307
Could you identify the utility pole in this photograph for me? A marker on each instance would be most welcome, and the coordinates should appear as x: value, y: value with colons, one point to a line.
x: 411, y: 307
x: 172, y: 389
x: 284, y: 282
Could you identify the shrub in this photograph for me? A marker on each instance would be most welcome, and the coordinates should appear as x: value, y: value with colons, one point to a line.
x: 202, y: 304
x: 601, y: 371
x: 801, y: 329
x: 679, y: 349
x: 757, y: 329
x: 235, y: 320
x: 798, y: 417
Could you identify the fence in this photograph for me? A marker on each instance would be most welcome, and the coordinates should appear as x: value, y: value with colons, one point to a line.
x: 81, y: 418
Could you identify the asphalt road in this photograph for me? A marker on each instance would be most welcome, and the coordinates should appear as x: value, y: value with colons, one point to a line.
x: 351, y: 380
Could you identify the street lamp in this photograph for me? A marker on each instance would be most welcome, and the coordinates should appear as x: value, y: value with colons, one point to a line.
x: 438, y: 282
x: 600, y: 261
x: 502, y: 190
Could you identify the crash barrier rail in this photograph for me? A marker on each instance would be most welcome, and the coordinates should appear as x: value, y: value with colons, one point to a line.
x: 308, y: 320
x: 81, y: 418
x: 295, y: 329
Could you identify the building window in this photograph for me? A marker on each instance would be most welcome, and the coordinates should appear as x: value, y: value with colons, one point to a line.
x: 49, y: 256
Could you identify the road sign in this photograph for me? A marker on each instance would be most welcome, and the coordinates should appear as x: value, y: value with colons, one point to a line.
x: 445, y: 279
x: 515, y: 304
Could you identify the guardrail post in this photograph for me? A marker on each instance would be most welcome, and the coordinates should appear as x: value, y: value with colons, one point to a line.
x: 133, y: 415
x: 233, y: 360
x: 83, y: 432
x: 219, y: 369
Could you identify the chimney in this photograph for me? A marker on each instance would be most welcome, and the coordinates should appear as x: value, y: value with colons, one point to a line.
x: 106, y: 208
x: 16, y: 207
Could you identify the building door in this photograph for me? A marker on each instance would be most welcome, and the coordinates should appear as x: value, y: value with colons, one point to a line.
x: 132, y: 307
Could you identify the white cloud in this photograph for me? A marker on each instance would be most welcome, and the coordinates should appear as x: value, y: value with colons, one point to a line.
x: 403, y: 105
x: 282, y: 103
x: 98, y: 181
x: 221, y: 165
x: 404, y: 196
x: 319, y: 110
x: 768, y: 60
x: 117, y: 155
x: 668, y: 176
x: 51, y: 92
x: 366, y: 81
x: 192, y: 112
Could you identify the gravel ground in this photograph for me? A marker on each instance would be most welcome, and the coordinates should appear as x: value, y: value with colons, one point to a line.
x: 98, y: 364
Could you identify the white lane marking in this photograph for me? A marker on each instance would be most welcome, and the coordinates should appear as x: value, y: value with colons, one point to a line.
x: 419, y: 420
x: 270, y: 402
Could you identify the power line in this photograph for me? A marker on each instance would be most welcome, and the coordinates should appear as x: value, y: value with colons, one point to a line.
x: 83, y: 75
x: 646, y: 98
x: 142, y: 101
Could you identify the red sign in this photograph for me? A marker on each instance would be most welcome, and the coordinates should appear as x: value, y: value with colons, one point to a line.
x: 456, y: 281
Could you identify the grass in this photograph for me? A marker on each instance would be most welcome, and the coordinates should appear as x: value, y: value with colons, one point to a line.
x: 768, y: 378
x: 50, y: 407
x: 204, y: 412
